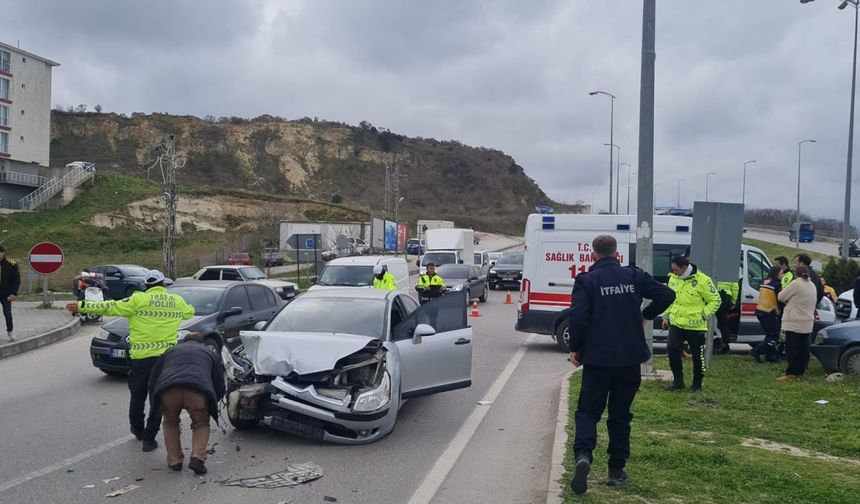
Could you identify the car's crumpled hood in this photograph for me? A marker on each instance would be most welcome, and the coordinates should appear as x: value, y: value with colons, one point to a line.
x: 275, y: 353
x: 120, y: 325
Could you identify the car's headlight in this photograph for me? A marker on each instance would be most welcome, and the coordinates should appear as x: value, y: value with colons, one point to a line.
x: 375, y: 399
x: 102, y: 334
x: 457, y: 287
x: 821, y: 336
x: 181, y: 334
x: 492, y: 272
x: 279, y: 289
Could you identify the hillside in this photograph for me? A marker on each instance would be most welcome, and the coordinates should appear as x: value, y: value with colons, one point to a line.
x: 309, y: 159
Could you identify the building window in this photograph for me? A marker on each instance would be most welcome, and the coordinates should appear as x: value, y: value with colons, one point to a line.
x: 5, y: 61
x: 4, y: 115
x: 4, y: 143
x: 4, y: 89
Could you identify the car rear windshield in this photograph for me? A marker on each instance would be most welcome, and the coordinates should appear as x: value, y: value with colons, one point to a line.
x: 252, y: 273
x: 347, y: 276
x: 332, y: 315
x: 515, y: 258
x: 438, y: 258
x: 133, y: 270
x: 203, y: 299
x: 453, y: 271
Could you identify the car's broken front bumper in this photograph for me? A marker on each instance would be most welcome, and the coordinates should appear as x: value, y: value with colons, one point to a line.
x: 305, y: 412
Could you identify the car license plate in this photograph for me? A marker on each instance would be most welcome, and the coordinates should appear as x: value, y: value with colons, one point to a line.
x: 118, y: 353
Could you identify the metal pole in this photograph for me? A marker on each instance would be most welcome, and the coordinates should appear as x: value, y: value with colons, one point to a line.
x: 45, y: 302
x: 744, y: 186
x: 679, y: 191
x: 611, y: 142
x: 797, y: 222
x: 618, y: 183
x: 706, y: 183
x: 645, y: 191
x: 846, y: 221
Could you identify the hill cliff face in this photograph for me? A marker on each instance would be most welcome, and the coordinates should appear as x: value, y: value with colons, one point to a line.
x: 324, y: 161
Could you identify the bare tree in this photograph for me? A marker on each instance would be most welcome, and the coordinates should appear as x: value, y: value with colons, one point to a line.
x: 168, y: 161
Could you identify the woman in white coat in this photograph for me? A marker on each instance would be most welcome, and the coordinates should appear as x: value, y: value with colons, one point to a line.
x: 798, y: 318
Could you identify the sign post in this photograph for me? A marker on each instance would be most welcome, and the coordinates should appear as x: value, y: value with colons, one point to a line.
x: 45, y: 258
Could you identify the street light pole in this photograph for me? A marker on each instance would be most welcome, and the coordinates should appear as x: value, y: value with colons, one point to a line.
x: 617, y: 176
x: 706, y: 183
x: 628, y: 183
x: 611, y: 137
x: 744, y: 189
x: 679, y: 191
x: 797, y: 231
x: 846, y: 220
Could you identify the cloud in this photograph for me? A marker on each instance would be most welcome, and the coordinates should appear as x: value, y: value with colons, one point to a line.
x: 736, y: 80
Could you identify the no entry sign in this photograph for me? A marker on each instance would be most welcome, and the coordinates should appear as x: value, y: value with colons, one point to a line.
x: 46, y: 258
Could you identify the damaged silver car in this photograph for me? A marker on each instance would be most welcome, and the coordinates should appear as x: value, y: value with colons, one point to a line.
x: 337, y: 364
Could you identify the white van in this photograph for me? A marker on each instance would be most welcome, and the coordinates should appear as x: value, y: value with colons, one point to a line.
x: 558, y: 247
x: 357, y: 271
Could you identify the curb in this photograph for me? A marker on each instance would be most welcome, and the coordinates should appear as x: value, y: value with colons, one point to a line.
x: 559, y: 445
x: 19, y: 347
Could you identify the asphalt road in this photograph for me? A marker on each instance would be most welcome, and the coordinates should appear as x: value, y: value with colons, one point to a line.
x: 822, y: 247
x: 65, y: 427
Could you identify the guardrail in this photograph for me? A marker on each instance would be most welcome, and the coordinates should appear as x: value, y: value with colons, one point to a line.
x: 11, y: 177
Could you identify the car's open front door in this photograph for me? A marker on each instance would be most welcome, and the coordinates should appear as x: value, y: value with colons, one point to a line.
x: 437, y: 362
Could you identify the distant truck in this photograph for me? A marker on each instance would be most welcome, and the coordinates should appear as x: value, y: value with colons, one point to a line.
x: 271, y: 256
x: 448, y: 246
x: 427, y: 225
x: 807, y: 232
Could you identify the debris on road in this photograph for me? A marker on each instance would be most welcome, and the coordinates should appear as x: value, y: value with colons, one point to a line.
x: 296, y: 474
x: 485, y: 403
x: 89, y: 486
x: 115, y: 478
x: 329, y: 499
x: 835, y: 378
x: 122, y: 491
x: 211, y: 451
x: 70, y: 470
x: 821, y: 402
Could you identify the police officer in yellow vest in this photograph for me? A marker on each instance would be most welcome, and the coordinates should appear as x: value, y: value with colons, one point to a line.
x: 430, y: 285
x: 696, y: 301
x: 382, y: 279
x: 154, y: 317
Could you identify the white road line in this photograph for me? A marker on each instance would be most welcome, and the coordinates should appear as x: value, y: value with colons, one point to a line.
x: 63, y: 463
x: 443, y: 465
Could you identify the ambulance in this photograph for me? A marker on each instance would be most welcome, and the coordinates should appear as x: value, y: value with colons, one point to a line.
x: 558, y: 248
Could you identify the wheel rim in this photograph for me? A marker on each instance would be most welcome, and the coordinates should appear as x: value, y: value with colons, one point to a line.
x: 852, y: 365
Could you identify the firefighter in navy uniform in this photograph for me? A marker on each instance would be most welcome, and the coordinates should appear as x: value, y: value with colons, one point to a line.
x: 607, y: 338
x: 10, y: 282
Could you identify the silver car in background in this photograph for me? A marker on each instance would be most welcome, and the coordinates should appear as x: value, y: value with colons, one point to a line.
x: 336, y: 365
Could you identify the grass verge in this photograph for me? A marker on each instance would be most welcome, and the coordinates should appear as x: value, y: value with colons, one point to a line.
x: 748, y: 438
x: 772, y: 250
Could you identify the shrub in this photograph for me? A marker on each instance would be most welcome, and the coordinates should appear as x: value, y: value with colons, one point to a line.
x: 840, y: 273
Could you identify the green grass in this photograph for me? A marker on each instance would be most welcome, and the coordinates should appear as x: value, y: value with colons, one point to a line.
x: 689, y: 447
x: 772, y: 250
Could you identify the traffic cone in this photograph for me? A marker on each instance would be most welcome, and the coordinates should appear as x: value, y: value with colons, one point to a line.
x: 508, y: 299
x: 475, y: 312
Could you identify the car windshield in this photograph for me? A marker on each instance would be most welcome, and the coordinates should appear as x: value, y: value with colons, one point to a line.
x: 332, y: 315
x: 453, y: 271
x: 494, y: 256
x: 252, y: 273
x: 512, y: 258
x: 133, y: 270
x: 203, y: 299
x: 438, y: 258
x: 347, y: 276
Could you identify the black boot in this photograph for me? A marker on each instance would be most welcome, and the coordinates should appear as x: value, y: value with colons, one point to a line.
x: 197, y: 466
x: 138, y: 434
x: 677, y: 384
x: 149, y: 445
x: 579, y: 482
x: 697, y: 384
x: 617, y: 477
x: 175, y: 467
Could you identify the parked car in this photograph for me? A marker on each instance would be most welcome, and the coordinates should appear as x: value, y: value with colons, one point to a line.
x: 493, y: 257
x: 286, y: 290
x: 239, y: 258
x: 845, y: 309
x: 358, y: 272
x: 357, y: 246
x: 482, y: 259
x: 467, y: 278
x: 853, y: 248
x: 414, y: 246
x: 508, y: 271
x: 271, y: 256
x: 221, y: 310
x: 336, y: 365
x: 121, y: 279
x: 837, y: 347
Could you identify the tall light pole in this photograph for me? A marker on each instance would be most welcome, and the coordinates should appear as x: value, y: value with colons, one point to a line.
x: 797, y: 232
x: 611, y: 137
x: 706, y: 183
x: 744, y: 187
x: 679, y: 191
x: 617, y: 175
x: 628, y: 183
x: 846, y: 220
x: 397, y: 220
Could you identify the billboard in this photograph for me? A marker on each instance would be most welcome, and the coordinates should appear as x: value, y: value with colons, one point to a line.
x: 402, y: 235
x: 377, y: 234
x: 390, y: 236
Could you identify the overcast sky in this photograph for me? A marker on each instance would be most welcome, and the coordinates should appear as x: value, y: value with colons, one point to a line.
x: 736, y: 79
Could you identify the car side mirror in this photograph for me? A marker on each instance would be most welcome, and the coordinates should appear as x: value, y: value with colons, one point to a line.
x: 236, y: 310
x: 260, y: 325
x: 314, y: 280
x: 422, y: 330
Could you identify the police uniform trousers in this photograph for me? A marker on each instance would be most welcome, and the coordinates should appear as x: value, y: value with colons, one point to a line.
x: 138, y: 385
x: 722, y: 317
x: 617, y: 387
x: 7, y: 312
x: 696, y: 340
